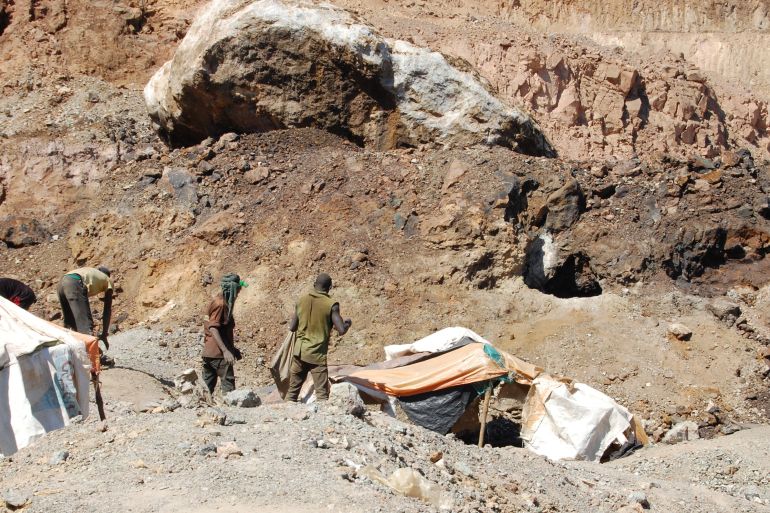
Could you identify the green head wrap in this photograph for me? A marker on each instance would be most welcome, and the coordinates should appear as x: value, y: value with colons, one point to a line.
x: 231, y: 284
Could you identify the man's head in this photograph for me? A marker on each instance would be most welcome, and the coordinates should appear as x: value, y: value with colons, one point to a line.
x: 104, y: 269
x: 323, y: 282
x: 231, y: 285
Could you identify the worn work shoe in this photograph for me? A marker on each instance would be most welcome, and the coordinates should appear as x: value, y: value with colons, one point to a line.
x: 107, y: 361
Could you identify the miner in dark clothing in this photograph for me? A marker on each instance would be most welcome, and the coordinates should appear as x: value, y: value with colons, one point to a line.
x: 314, y: 316
x: 219, y: 352
x: 17, y: 292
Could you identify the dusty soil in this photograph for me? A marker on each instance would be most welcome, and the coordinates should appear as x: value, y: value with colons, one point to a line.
x: 161, y: 462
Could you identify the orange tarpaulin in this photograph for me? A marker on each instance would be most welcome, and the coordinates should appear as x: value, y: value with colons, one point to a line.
x: 92, y: 346
x: 462, y: 366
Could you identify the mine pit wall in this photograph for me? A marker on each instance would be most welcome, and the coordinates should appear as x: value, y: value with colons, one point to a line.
x: 727, y: 38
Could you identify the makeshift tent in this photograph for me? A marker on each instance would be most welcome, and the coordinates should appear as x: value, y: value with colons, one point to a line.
x: 44, y: 376
x: 560, y: 419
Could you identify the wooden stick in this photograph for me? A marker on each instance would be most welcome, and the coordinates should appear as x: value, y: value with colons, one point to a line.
x: 487, y: 396
x: 98, y: 397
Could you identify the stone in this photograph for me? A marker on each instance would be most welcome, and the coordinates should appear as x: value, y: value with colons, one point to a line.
x: 19, y: 232
x: 242, y: 398
x: 463, y: 468
x: 346, y: 397
x: 169, y: 404
x: 456, y: 170
x: 205, y: 168
x: 564, y: 206
x: 751, y: 492
x: 679, y: 331
x: 15, y: 499
x: 215, y: 416
x: 185, y: 382
x: 730, y: 159
x: 207, y: 449
x: 257, y: 175
x: 724, y: 310
x: 639, y: 498
x: 627, y: 168
x: 681, y: 432
x: 183, y: 185
x: 701, y: 163
x: 713, y: 177
x: 393, y: 92
x: 229, y: 137
x: 729, y: 429
x: 59, y: 457
x: 693, y: 248
x: 229, y: 450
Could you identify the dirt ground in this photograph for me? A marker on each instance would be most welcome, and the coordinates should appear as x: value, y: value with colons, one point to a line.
x: 144, y: 462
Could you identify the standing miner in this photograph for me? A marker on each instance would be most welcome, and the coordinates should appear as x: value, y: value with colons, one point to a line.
x: 219, y: 352
x: 315, y: 314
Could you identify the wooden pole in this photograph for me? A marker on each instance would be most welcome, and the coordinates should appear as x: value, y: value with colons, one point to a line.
x: 485, y: 411
x: 98, y: 397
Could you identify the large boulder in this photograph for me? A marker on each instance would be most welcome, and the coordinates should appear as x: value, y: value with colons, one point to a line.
x: 18, y: 232
x: 249, y: 65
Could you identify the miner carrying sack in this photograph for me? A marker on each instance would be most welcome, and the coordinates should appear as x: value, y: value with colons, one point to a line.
x: 315, y: 314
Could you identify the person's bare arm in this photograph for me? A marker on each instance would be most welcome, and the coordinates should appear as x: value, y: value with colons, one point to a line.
x: 228, y: 356
x: 341, y: 326
x: 294, y: 323
x: 106, y: 314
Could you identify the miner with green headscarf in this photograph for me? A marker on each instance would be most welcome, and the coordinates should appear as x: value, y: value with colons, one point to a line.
x: 314, y: 316
x: 219, y: 352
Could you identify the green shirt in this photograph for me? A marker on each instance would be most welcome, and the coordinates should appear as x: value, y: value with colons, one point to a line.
x: 314, y: 311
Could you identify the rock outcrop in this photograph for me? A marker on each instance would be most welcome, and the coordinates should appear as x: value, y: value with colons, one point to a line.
x: 596, y: 104
x: 249, y: 66
x: 18, y: 232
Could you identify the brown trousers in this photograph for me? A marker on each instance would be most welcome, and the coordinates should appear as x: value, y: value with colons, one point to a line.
x: 299, y: 370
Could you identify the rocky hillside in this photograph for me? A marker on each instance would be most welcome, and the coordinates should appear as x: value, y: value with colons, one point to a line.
x: 652, y: 212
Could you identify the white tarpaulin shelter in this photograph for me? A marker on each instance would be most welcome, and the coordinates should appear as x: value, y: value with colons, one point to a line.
x: 44, y: 377
x: 572, y: 421
x: 561, y: 419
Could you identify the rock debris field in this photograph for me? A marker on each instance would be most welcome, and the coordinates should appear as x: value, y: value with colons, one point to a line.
x: 297, y: 458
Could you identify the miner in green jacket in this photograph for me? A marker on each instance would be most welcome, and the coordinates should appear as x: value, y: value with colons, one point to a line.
x: 313, y: 319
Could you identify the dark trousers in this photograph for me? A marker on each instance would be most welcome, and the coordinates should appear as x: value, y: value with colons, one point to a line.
x: 214, y: 368
x: 76, y: 311
x: 298, y: 373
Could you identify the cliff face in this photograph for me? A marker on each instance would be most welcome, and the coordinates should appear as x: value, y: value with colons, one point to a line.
x: 727, y: 38
x: 610, y: 79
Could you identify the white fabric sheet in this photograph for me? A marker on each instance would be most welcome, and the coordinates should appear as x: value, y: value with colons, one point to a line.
x: 577, y: 424
x: 442, y: 340
x: 44, y: 377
